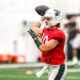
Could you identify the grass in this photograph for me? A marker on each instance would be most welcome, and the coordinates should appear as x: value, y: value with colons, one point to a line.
x: 20, y: 74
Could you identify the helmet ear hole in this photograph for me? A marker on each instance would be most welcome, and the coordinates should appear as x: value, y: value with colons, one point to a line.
x: 57, y: 13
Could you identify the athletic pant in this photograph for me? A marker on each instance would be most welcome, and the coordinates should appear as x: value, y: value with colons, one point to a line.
x: 57, y: 72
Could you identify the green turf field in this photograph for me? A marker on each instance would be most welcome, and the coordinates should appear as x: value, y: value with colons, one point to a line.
x: 20, y: 74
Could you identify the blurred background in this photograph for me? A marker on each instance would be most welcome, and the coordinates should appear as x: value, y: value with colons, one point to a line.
x: 17, y: 49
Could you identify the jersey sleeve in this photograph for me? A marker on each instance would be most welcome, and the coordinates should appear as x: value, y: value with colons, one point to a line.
x: 59, y: 35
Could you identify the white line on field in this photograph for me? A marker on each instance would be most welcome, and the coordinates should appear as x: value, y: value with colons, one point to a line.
x: 28, y: 65
x: 73, y: 70
x: 24, y: 76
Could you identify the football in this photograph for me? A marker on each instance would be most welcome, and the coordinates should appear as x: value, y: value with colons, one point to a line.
x: 41, y: 9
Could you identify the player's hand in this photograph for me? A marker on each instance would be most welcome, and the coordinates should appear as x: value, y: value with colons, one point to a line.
x: 36, y: 40
x: 32, y: 34
x: 42, y: 18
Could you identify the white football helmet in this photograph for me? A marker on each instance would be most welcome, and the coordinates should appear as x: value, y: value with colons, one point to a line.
x: 55, y: 15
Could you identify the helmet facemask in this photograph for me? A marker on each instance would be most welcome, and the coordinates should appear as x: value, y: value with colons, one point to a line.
x: 48, y: 22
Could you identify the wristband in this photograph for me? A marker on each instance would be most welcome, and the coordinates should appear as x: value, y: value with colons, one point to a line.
x: 37, y: 42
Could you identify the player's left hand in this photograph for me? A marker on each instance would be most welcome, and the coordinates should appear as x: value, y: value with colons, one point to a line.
x: 32, y: 34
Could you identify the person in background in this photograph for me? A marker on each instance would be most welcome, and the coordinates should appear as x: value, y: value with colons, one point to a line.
x: 76, y: 42
x: 72, y: 31
x: 24, y: 27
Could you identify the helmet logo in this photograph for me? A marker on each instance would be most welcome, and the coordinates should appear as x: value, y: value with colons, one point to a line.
x: 57, y: 13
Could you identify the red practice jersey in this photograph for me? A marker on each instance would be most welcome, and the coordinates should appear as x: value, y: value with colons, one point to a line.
x: 57, y: 55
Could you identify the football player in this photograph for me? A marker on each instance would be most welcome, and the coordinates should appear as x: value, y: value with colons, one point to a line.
x: 52, y: 45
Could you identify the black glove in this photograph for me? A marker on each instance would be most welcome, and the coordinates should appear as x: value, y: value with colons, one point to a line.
x: 36, y: 40
x: 32, y: 34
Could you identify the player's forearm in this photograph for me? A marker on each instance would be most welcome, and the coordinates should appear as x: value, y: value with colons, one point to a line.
x: 37, y: 24
x: 43, y: 48
x: 37, y: 31
x: 36, y: 28
x: 48, y: 46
